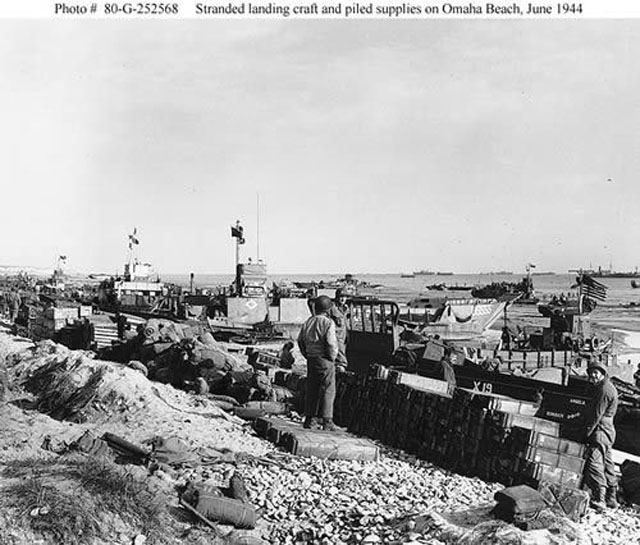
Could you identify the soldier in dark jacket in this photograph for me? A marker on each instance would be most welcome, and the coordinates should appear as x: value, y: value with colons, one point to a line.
x: 599, y: 469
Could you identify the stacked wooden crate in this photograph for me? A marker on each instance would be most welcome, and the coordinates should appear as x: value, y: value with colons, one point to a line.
x: 492, y: 437
x: 45, y: 322
x: 321, y: 444
x: 105, y: 332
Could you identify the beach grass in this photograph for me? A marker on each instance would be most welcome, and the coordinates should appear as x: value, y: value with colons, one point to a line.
x: 81, y: 500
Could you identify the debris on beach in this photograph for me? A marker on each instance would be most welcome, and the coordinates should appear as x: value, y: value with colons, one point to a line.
x: 183, y: 437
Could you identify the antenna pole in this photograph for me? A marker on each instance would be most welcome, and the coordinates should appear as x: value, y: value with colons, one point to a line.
x: 258, y: 227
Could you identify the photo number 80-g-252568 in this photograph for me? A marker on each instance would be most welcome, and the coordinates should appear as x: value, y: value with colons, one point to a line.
x: 129, y: 8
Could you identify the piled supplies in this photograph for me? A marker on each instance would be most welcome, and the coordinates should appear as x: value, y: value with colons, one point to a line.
x: 474, y: 433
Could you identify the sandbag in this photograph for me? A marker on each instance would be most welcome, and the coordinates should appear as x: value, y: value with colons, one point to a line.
x: 207, y: 339
x: 173, y: 451
x: 87, y: 443
x: 227, y: 511
x: 269, y: 407
x: 227, y: 399
x: 224, y: 405
x: 249, y: 413
x: 211, y: 358
x: 123, y: 446
x: 210, y: 503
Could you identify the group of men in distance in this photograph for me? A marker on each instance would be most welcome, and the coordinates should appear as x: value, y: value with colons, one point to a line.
x: 322, y: 341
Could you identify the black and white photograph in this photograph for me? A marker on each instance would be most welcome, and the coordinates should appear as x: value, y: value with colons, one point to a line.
x: 267, y: 278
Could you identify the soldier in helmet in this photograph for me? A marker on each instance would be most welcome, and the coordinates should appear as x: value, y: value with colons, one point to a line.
x: 338, y: 313
x: 319, y: 345
x: 599, y: 470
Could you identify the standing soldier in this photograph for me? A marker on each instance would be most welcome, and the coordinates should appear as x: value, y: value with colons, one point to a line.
x: 599, y: 469
x: 13, y: 304
x: 17, y: 301
x: 338, y: 313
x: 319, y: 345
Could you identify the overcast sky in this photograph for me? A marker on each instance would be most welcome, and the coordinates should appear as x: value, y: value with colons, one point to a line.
x: 375, y: 146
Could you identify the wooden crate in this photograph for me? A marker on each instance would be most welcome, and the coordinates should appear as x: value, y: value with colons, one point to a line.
x: 331, y: 445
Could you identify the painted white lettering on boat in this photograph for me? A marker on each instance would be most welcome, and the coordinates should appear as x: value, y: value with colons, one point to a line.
x: 482, y: 386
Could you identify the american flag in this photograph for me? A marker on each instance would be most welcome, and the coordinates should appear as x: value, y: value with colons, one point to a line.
x: 592, y: 288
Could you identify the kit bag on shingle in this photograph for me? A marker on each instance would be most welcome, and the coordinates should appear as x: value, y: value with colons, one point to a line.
x: 173, y: 451
x: 93, y: 446
x: 518, y: 501
x: 211, y: 504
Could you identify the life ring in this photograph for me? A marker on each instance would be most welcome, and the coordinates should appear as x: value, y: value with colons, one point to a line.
x: 595, y: 342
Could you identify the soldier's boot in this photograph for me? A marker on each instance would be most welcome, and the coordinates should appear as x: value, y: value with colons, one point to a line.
x: 611, y: 498
x: 328, y: 425
x: 310, y: 422
x: 597, y: 499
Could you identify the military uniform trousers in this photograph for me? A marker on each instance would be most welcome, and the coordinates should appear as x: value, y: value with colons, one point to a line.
x: 599, y: 469
x: 321, y: 387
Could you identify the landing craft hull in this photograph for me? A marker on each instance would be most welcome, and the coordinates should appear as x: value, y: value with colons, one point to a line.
x: 563, y: 404
x: 459, y: 320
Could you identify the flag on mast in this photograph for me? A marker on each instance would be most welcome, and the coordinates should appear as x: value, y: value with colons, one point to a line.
x: 133, y: 239
x: 238, y: 232
x: 591, y: 288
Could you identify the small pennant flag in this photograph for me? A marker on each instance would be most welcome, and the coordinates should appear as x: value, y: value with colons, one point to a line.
x: 133, y: 239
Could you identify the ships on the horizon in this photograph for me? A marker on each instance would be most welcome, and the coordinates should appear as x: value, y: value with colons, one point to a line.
x: 424, y: 272
x: 610, y: 273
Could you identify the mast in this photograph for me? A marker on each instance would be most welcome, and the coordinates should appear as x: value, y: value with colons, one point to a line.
x: 129, y: 268
x: 237, y: 244
x: 580, y: 296
x: 581, y: 278
x: 258, y: 227
x: 237, y: 233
